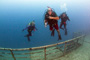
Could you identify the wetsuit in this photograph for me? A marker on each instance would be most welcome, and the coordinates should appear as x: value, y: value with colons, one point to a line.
x: 52, y: 23
x: 29, y: 29
x: 63, y: 22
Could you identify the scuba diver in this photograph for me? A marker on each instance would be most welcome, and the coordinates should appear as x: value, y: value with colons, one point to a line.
x: 30, y: 28
x: 64, y: 18
x: 51, y: 19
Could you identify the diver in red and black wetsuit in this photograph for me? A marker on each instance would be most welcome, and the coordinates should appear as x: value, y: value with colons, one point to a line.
x: 51, y: 18
x: 64, y: 18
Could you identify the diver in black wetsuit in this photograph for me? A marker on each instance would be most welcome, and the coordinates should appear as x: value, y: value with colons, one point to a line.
x: 64, y: 18
x: 30, y: 28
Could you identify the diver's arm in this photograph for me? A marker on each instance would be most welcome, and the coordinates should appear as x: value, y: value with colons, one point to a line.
x: 35, y: 28
x: 25, y: 28
x: 55, y: 18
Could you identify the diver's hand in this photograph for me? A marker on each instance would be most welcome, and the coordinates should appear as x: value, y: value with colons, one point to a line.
x: 45, y: 24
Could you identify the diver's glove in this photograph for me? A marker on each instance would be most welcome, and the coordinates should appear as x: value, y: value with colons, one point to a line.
x: 45, y: 24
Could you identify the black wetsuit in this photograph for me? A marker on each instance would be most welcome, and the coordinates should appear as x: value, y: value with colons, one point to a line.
x: 51, y: 21
x: 63, y: 22
x: 29, y: 29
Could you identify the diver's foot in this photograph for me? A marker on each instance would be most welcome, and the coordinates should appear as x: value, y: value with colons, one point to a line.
x: 52, y: 33
x: 28, y: 39
x: 65, y: 33
x: 59, y: 38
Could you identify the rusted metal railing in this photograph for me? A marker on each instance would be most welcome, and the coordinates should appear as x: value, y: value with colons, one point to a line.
x: 47, y: 52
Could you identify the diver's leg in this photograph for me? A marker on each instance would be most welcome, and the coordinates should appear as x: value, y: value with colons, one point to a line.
x: 61, y: 26
x: 59, y: 36
x: 52, y: 33
x: 30, y: 34
x: 52, y: 30
x: 27, y: 36
x: 65, y: 29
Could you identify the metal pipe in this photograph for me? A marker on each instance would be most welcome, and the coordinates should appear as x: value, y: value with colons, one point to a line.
x: 45, y: 52
x: 65, y: 48
x: 13, y: 55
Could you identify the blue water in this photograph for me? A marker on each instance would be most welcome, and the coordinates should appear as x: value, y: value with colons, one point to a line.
x: 16, y: 14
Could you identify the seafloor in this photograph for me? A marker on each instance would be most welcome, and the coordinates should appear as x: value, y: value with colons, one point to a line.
x: 81, y: 53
